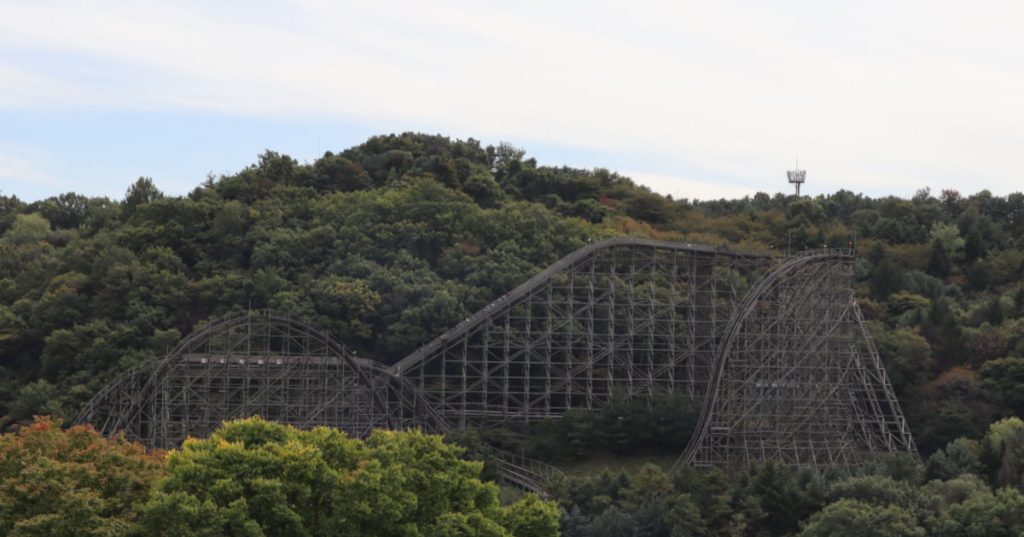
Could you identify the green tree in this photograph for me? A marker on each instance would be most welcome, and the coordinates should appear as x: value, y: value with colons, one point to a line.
x: 999, y: 515
x: 960, y: 456
x: 940, y: 263
x: 875, y: 490
x: 886, y: 276
x: 907, y: 357
x: 531, y: 517
x: 974, y: 244
x: 141, y: 192
x: 779, y: 499
x: 36, y: 398
x: 1002, y: 451
x: 948, y: 237
x: 253, y: 477
x: 957, y: 490
x: 11, y: 327
x: 854, y: 518
x: 951, y: 406
x: 28, y: 229
x: 1004, y: 378
x: 614, y: 523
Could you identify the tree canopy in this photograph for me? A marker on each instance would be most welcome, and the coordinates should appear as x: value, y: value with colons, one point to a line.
x: 388, y: 243
x: 69, y: 482
x: 255, y: 478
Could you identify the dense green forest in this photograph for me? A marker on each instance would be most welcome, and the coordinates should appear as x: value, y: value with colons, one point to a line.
x: 389, y: 243
x: 253, y: 478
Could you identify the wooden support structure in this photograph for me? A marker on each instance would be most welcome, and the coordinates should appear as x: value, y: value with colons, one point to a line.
x: 774, y: 347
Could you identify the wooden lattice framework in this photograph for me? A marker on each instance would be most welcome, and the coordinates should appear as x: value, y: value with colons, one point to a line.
x: 255, y: 363
x: 797, y: 378
x: 773, y: 346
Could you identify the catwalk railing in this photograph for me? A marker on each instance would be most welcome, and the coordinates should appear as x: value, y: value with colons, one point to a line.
x: 773, y: 346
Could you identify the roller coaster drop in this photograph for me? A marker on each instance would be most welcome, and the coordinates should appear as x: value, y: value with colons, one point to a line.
x: 774, y: 347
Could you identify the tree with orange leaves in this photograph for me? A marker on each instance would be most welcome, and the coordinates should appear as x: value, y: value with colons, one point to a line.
x: 62, y: 482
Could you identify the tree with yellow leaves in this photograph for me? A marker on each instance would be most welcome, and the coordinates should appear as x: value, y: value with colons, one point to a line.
x: 258, y: 478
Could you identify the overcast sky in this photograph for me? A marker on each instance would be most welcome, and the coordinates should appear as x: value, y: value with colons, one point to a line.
x: 697, y: 99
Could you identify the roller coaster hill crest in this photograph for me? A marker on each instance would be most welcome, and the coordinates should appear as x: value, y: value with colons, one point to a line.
x: 773, y: 347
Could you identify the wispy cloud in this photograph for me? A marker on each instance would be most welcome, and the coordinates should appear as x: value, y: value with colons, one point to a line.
x: 872, y: 96
x: 19, y: 87
x: 24, y: 167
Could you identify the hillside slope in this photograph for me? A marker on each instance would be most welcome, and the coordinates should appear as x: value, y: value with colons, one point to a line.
x: 389, y: 243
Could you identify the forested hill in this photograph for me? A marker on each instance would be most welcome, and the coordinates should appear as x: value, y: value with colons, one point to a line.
x: 389, y: 243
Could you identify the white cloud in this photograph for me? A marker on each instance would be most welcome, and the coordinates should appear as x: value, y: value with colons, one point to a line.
x: 20, y: 88
x: 24, y: 166
x: 874, y: 96
x: 693, y: 189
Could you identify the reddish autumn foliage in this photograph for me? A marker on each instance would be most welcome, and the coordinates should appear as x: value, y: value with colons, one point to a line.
x: 56, y: 481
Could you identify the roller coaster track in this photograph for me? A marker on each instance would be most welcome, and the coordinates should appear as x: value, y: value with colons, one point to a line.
x: 243, y: 362
x: 750, y: 335
x: 731, y: 331
x: 884, y: 425
x: 620, y: 314
x: 545, y: 275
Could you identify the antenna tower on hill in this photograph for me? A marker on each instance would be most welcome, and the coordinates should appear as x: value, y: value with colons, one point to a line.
x: 797, y: 176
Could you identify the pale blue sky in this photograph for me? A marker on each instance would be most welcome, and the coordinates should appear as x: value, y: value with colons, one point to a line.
x: 696, y: 99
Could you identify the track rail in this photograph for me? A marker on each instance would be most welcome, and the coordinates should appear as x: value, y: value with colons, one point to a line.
x: 703, y: 300
x: 544, y: 276
x: 747, y: 306
x: 820, y: 400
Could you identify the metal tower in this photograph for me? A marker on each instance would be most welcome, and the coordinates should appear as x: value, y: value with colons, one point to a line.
x: 797, y: 177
